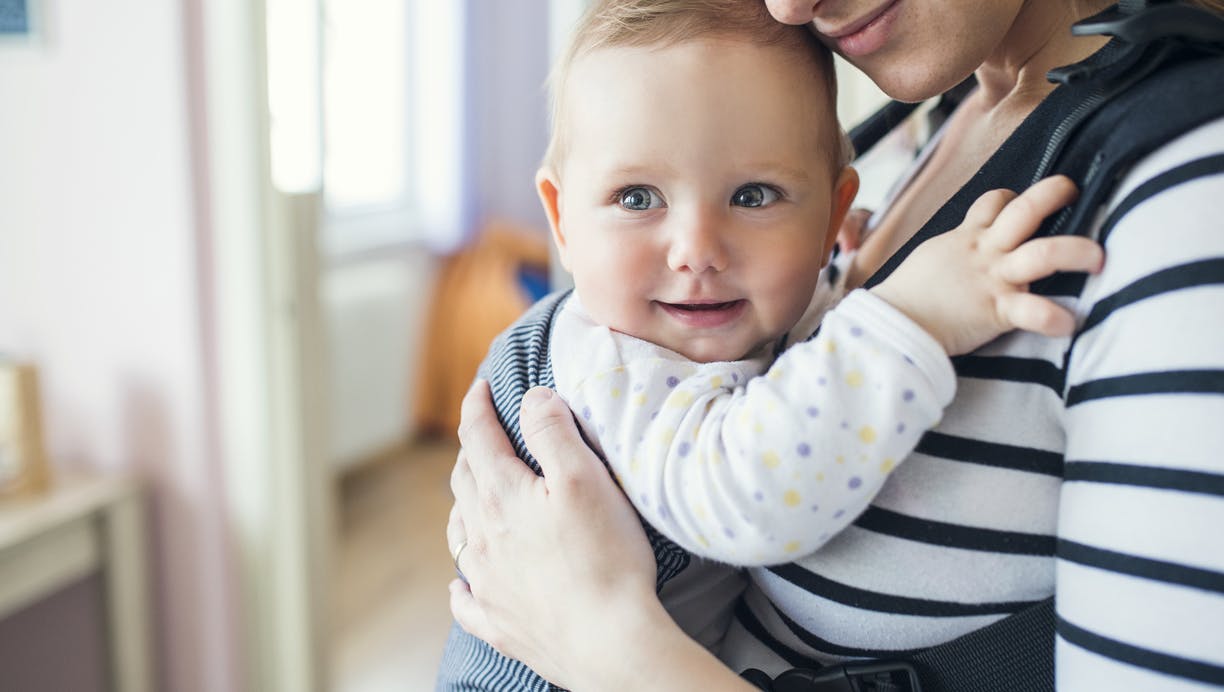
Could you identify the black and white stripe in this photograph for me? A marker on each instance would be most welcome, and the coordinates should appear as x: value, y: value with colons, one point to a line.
x: 1095, y: 462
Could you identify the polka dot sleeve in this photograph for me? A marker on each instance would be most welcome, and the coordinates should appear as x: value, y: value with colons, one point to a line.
x: 757, y: 469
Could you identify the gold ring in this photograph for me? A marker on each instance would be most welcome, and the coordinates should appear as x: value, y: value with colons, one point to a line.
x: 459, y: 551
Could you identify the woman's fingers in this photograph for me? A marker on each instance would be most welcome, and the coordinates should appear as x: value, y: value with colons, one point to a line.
x: 468, y: 613
x: 1042, y: 257
x: 485, y: 446
x: 1023, y: 215
x: 553, y: 438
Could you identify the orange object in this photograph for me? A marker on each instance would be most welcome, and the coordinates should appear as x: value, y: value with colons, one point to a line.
x: 478, y: 294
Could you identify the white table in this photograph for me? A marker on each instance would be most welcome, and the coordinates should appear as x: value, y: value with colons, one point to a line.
x: 82, y: 525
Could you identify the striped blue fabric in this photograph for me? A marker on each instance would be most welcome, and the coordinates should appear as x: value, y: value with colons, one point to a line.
x: 517, y: 361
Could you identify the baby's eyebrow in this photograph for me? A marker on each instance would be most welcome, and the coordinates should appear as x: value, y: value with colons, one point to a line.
x: 771, y: 169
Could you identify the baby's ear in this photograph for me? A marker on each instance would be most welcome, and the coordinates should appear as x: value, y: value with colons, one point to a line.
x: 549, y: 190
x: 844, y: 189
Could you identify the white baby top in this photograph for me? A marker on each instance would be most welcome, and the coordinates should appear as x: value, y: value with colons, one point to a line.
x: 755, y: 470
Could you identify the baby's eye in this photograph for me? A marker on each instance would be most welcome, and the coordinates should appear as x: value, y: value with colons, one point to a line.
x: 640, y: 199
x: 754, y: 195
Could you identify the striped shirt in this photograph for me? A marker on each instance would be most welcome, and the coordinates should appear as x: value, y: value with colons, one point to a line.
x: 1090, y: 467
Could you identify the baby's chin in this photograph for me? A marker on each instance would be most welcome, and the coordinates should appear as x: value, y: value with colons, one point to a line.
x: 709, y: 350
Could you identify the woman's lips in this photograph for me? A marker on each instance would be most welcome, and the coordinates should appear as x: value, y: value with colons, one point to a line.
x: 705, y: 315
x: 866, y: 35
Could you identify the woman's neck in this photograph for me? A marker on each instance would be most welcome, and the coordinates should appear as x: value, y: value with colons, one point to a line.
x: 1015, y: 74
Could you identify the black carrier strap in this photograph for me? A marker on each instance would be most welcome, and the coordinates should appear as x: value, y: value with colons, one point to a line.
x: 1123, y: 114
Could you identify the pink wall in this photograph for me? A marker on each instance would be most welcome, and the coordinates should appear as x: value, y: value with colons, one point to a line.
x: 100, y: 285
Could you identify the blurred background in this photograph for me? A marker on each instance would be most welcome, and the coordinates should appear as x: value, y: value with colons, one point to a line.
x: 254, y: 250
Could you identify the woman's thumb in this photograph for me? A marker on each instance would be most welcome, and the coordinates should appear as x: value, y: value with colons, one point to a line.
x: 550, y: 433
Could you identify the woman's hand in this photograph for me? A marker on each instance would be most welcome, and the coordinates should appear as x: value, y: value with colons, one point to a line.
x: 558, y: 567
x: 969, y: 285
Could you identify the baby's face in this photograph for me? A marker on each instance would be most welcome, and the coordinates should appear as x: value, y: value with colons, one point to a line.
x: 696, y: 191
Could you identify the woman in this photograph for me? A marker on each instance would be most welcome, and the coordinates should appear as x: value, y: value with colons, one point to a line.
x: 1085, y: 468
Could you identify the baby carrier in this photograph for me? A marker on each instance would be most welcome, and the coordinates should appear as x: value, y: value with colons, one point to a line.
x: 1161, y: 53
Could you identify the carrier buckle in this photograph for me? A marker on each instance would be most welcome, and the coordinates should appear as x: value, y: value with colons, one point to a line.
x: 865, y: 676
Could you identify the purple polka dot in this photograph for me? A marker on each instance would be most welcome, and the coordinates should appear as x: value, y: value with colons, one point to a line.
x: 654, y: 415
x: 683, y: 450
x: 735, y: 377
x: 845, y: 425
x: 907, y: 395
x: 586, y: 413
x: 758, y: 496
x: 839, y: 514
x: 644, y: 498
x: 664, y: 513
x: 908, y: 360
x: 822, y: 380
x: 601, y: 429
x: 728, y: 533
x: 855, y: 482
x: 639, y: 387
x: 813, y: 412
x: 673, y: 381
x: 856, y: 331
x: 900, y: 428
x: 815, y: 508
x: 804, y: 449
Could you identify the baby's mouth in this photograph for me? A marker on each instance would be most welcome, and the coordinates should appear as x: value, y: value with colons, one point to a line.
x: 703, y: 307
x: 705, y: 314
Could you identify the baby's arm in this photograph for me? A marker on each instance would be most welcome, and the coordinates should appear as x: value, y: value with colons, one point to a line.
x: 764, y: 473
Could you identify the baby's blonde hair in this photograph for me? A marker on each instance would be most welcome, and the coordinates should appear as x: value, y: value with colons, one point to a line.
x: 663, y: 23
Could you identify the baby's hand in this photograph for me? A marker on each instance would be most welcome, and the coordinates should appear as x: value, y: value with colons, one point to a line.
x: 969, y: 285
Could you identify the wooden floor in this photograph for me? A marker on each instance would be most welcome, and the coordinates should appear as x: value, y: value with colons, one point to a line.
x: 390, y: 614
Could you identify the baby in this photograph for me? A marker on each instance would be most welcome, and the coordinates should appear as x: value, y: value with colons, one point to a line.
x: 695, y: 183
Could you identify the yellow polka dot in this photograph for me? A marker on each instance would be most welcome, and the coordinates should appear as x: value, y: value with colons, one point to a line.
x: 702, y: 540
x: 618, y: 369
x: 700, y: 511
x: 639, y: 400
x: 867, y: 434
x: 820, y: 478
x: 831, y: 346
x: 775, y: 374
x: 791, y: 547
x: 791, y: 498
x: 840, y: 459
x: 758, y: 428
x: 616, y: 392
x: 771, y: 459
x: 680, y: 400
x: 635, y: 465
x: 666, y: 436
x: 887, y: 465
x: 854, y: 378
x: 716, y: 458
x: 716, y: 381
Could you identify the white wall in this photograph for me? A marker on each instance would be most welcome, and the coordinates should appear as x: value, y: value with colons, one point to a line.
x: 374, y: 311
x: 99, y: 284
x: 375, y: 306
